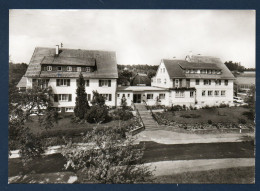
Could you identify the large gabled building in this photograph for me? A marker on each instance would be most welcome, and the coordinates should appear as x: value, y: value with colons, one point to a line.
x: 197, y: 80
x: 60, y: 68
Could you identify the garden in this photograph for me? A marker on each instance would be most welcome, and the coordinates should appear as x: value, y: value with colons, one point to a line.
x: 207, y: 118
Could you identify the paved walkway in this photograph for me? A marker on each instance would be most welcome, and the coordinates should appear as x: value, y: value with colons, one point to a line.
x: 148, y: 120
x: 175, y: 167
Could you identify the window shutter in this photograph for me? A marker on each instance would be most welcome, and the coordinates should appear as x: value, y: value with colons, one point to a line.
x: 110, y: 97
x: 68, y: 82
x: 99, y: 83
x: 69, y: 97
x: 55, y: 97
x: 57, y: 82
x: 109, y: 83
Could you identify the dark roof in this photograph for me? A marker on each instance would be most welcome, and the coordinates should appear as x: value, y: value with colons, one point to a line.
x: 175, y: 68
x: 187, y: 65
x: 105, y: 62
x: 58, y: 60
x: 22, y: 83
x: 140, y: 78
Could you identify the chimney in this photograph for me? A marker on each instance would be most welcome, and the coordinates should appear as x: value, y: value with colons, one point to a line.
x: 57, y: 50
x: 190, y: 54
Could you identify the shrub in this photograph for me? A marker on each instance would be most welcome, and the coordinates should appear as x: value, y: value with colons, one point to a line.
x: 97, y: 114
x: 121, y: 114
x: 209, y: 121
x: 222, y: 105
x: 176, y: 108
x: 242, y: 121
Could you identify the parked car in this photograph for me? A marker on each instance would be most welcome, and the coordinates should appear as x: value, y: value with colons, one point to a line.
x: 238, y: 100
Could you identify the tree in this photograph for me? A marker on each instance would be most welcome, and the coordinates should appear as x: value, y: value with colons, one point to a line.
x: 124, y: 77
x: 21, y: 106
x: 81, y: 106
x: 234, y: 66
x: 123, y: 103
x: 107, y: 158
x: 98, y: 99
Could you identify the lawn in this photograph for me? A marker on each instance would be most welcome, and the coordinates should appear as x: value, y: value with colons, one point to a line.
x: 239, y: 175
x: 65, y: 124
x: 216, y: 115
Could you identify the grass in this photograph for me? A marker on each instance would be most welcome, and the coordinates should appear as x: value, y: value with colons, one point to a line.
x: 65, y: 125
x: 216, y: 115
x: 239, y: 175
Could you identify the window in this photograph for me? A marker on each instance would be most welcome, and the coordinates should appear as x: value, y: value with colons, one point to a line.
x: 216, y: 93
x: 223, y: 93
x: 108, y: 97
x: 179, y: 94
x: 123, y: 95
x: 188, y: 83
x: 87, y: 83
x: 69, y: 109
x: 62, y: 97
x: 165, y: 81
x: 203, y: 93
x: 209, y: 93
x: 78, y: 69
x: 42, y: 83
x: 158, y: 80
x: 187, y: 71
x: 118, y: 95
x: 69, y: 68
x: 195, y: 71
x: 218, y: 82
x: 89, y: 97
x: 191, y: 94
x: 149, y: 96
x: 62, y: 82
x: 128, y: 95
x: 213, y: 71
x: 218, y: 72
x: 226, y: 82
x: 203, y: 71
x: 161, y: 96
x: 209, y: 71
x: 49, y: 68
x: 177, y: 83
x: 104, y: 83
x: 59, y: 68
x: 87, y: 69
x: 163, y: 70
x: 207, y: 82
x: 197, y: 82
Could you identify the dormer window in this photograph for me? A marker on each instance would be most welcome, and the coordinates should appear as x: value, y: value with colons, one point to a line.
x: 78, y: 69
x: 69, y: 68
x: 59, y: 68
x: 87, y: 69
x: 49, y: 68
x: 187, y: 71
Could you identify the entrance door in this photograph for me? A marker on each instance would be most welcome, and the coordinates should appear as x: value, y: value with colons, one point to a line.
x: 137, y: 98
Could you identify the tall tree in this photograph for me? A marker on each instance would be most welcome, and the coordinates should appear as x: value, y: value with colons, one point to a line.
x: 81, y: 106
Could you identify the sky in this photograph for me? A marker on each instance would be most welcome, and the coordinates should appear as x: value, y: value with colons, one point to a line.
x: 137, y: 36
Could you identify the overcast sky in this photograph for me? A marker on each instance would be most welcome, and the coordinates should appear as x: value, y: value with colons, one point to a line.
x: 137, y: 36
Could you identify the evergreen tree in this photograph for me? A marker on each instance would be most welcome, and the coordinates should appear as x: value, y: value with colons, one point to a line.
x: 82, y: 105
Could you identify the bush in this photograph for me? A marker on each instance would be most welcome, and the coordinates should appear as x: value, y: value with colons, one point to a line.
x: 121, y: 114
x: 242, y: 121
x: 209, y: 121
x: 98, y: 114
x: 176, y: 108
x: 222, y: 105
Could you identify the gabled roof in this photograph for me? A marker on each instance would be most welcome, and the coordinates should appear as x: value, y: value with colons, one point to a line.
x: 140, y: 78
x: 22, y: 83
x: 176, y: 68
x: 105, y: 62
x: 72, y: 61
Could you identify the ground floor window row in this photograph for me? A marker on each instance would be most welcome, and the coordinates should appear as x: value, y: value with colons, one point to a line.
x: 68, y: 97
x: 210, y: 93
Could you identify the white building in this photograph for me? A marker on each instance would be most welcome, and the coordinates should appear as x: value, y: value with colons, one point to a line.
x: 60, y: 68
x: 195, y: 81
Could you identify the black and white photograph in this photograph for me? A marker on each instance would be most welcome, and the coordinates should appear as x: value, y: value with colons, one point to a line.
x: 121, y: 96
